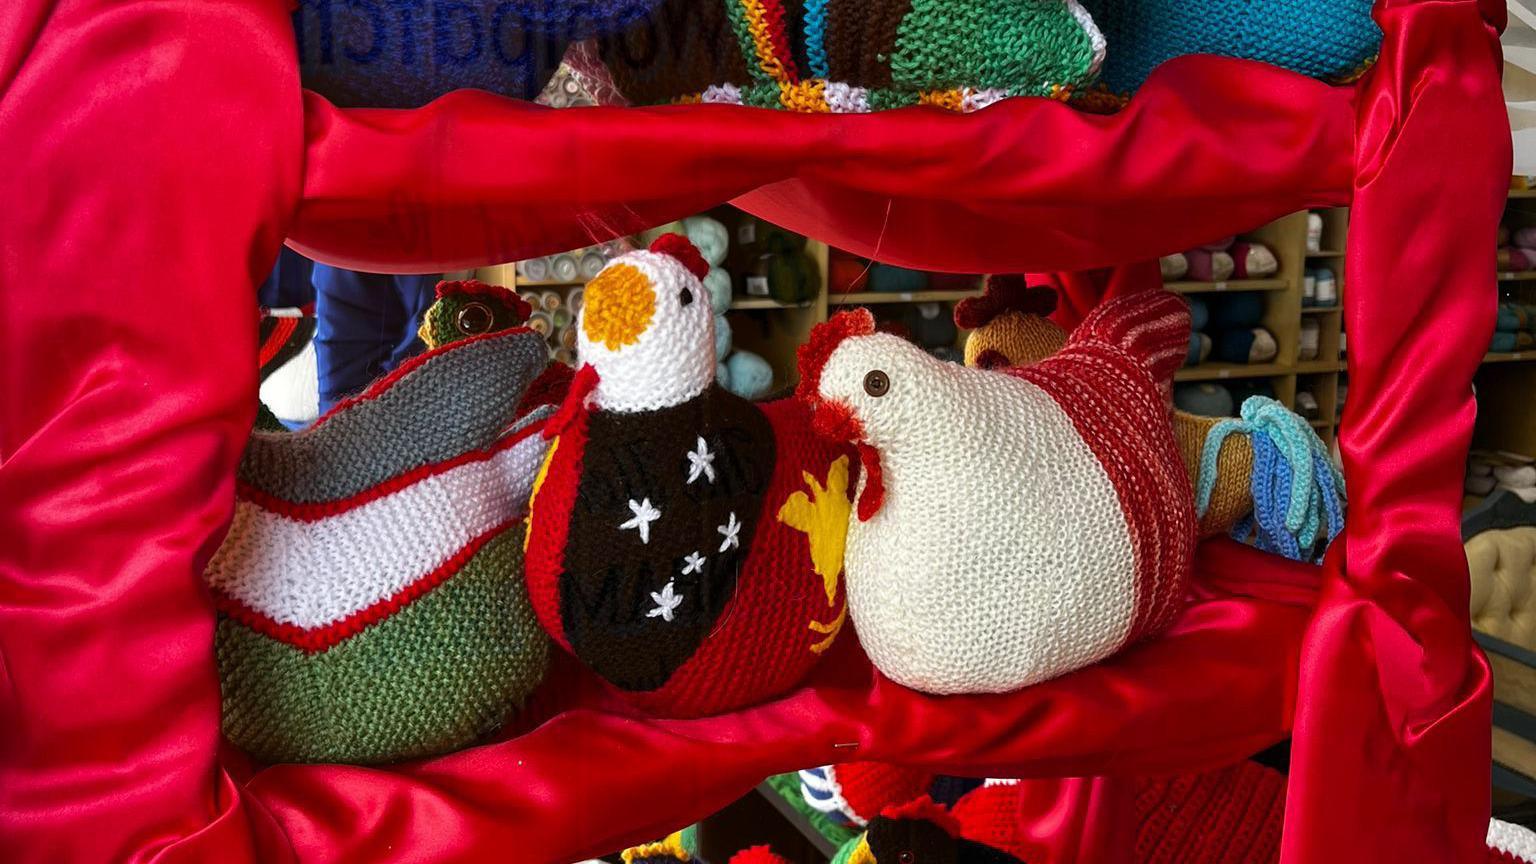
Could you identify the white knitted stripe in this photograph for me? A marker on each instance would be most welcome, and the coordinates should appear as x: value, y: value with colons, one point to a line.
x: 1512, y: 839
x: 834, y: 803
x: 1095, y: 37
x: 312, y: 574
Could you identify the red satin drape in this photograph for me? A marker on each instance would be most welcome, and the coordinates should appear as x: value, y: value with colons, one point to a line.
x: 155, y: 154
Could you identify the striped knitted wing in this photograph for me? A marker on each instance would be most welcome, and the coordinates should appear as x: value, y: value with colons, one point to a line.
x: 1150, y: 327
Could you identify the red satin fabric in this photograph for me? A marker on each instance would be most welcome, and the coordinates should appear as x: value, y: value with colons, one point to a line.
x: 156, y: 154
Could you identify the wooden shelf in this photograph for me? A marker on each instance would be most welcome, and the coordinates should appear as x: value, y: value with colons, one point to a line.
x: 765, y: 303
x: 1327, y: 253
x: 1319, y: 310
x: 1521, y: 276
x: 1313, y: 367
x: 1522, y: 193
x: 550, y: 283
x: 1226, y: 371
x: 864, y: 298
x: 1511, y: 357
x: 1320, y: 424
x: 1228, y: 285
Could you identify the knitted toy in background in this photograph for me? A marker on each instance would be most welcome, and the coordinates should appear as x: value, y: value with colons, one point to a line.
x: 1097, y: 516
x: 470, y: 308
x: 922, y: 831
x: 856, y: 55
x: 290, y: 386
x: 370, y: 590
x: 685, y: 544
x: 853, y: 793
x: 1008, y: 328
x: 683, y: 846
x: 1327, y: 39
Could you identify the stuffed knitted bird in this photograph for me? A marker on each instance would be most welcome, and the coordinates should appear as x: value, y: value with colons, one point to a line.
x: 853, y: 793
x: 922, y: 832
x: 471, y: 308
x: 685, y: 544
x: 1012, y: 525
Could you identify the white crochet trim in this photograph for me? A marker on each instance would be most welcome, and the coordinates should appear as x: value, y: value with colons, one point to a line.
x: 1095, y: 36
x: 721, y: 94
x: 1001, y: 557
x: 1512, y: 839
x: 835, y: 803
x: 844, y: 98
x: 975, y: 100
x: 311, y: 574
x: 1000, y: 781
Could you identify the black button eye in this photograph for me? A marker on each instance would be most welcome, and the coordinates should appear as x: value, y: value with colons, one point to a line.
x: 474, y: 319
x: 685, y: 297
x: 906, y: 856
x: 877, y: 384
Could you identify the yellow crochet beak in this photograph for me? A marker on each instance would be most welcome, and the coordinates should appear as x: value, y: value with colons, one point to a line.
x: 619, y: 305
x: 861, y: 853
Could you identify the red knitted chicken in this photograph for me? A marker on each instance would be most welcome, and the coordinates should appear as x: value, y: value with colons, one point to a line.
x: 684, y: 544
x: 1013, y: 525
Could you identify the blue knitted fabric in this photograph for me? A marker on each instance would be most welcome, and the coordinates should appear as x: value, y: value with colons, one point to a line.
x: 1328, y: 39
x: 405, y: 53
x: 1298, y: 495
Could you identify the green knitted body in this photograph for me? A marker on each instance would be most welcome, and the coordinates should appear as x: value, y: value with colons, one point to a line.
x: 1027, y: 49
x: 788, y: 787
x: 435, y: 676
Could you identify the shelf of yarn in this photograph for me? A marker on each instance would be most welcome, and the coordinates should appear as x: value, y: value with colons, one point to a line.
x: 1314, y: 367
x: 761, y: 303
x: 1506, y: 380
x: 1224, y: 371
x: 1320, y: 310
x: 1510, y: 357
x: 1185, y: 286
x: 1517, y: 276
x: 865, y: 298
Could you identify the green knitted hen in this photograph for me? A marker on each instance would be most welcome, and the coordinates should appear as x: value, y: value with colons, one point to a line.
x: 370, y: 591
x: 856, y: 55
x: 471, y: 308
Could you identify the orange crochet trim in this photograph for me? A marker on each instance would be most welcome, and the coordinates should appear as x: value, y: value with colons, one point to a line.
x: 808, y: 97
x: 949, y: 100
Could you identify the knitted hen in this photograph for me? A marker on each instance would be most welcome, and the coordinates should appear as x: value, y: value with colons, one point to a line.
x: 685, y: 544
x: 1013, y: 525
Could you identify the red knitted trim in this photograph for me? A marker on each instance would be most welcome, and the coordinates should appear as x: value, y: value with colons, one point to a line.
x: 868, y: 787
x: 550, y: 388
x: 575, y: 405
x: 812, y: 357
x: 549, y: 526
x: 778, y: 39
x: 924, y: 809
x: 681, y: 248
x: 1149, y: 326
x: 282, y: 330
x: 1004, y: 293
x: 317, y: 510
x: 377, y: 388
x: 321, y: 638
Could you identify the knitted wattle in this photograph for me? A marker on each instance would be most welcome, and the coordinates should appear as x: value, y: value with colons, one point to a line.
x: 864, y: 55
x: 1328, y: 39
x: 956, y: 583
x: 370, y: 591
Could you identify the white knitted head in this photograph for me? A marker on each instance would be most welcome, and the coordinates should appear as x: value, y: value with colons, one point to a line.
x: 647, y: 328
x: 909, y: 375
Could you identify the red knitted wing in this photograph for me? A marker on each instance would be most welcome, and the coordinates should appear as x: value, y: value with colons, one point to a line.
x: 1151, y: 327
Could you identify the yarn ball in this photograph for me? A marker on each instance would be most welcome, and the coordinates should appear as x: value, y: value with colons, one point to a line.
x: 846, y: 274
x: 1094, y: 446
x: 1309, y: 341
x: 1503, y: 342
x: 890, y: 278
x: 1525, y: 237
x: 1199, y: 349
x: 1244, y: 389
x: 405, y: 53
x: 1510, y: 318
x: 723, y: 375
x: 1326, y: 39
x: 1208, y: 266
x: 930, y: 325
x: 1205, y: 399
x: 1174, y: 266
x: 1236, y: 310
x: 1199, y: 312
x: 420, y: 639
x: 1253, y: 261
x: 710, y: 236
x: 1306, y: 404
x: 718, y: 283
x: 748, y: 375
x: 722, y: 338
x: 1327, y: 288
x: 1252, y: 345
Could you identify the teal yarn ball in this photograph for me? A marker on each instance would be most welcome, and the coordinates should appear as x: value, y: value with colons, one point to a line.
x: 750, y: 375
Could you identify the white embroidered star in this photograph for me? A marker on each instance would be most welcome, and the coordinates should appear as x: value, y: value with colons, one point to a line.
x: 645, y: 514
x: 694, y: 563
x: 701, y: 462
x: 667, y: 601
x: 730, y: 531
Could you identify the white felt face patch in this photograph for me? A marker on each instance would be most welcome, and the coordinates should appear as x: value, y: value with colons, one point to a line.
x: 647, y: 328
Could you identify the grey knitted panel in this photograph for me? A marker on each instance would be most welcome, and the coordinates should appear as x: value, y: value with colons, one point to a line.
x: 458, y: 400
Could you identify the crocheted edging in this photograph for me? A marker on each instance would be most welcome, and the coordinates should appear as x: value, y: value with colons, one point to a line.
x: 822, y: 96
x: 830, y: 801
x: 1512, y: 840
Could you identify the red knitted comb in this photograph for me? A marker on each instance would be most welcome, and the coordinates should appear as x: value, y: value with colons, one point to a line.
x: 1004, y: 293
x: 476, y: 288
x: 924, y: 809
x: 683, y: 250
x: 757, y: 855
x: 812, y: 357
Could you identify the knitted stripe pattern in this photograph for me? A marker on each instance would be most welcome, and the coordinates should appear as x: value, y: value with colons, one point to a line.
x: 958, y: 584
x: 871, y: 55
x: 1509, y: 843
x: 1229, y: 816
x: 789, y: 788
x: 370, y: 589
x: 855, y: 792
x: 1328, y: 39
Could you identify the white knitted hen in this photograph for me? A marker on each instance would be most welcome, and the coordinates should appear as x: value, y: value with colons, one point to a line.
x: 1012, y: 525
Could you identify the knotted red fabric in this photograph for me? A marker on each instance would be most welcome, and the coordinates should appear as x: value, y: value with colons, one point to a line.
x: 157, y: 153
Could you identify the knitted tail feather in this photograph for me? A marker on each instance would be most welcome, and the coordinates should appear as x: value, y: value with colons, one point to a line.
x: 1151, y: 327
